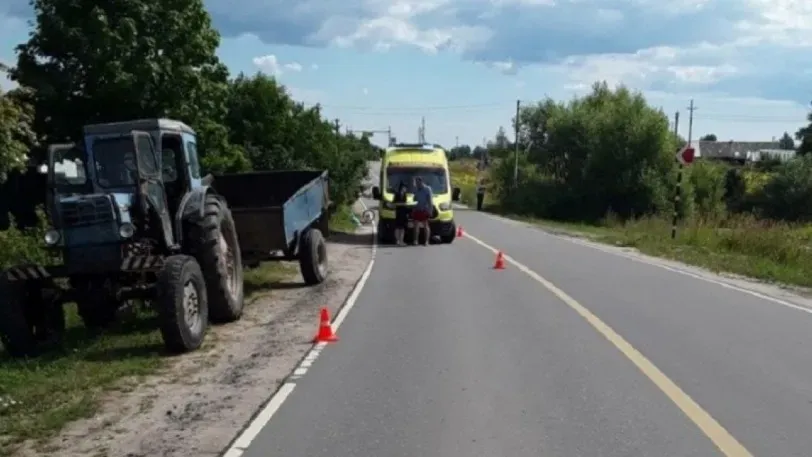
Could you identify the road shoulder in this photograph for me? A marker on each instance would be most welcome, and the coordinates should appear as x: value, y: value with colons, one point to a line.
x: 784, y: 294
x: 200, y: 401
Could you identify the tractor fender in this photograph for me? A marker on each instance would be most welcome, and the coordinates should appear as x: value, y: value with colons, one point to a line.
x: 191, y: 208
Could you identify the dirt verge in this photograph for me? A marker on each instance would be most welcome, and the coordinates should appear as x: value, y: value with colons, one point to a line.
x: 202, y: 400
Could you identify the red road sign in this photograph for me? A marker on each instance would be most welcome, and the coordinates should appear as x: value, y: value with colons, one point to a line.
x: 686, y: 155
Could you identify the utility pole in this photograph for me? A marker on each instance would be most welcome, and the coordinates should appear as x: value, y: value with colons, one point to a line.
x: 516, y: 152
x: 457, y: 142
x: 691, y: 110
x: 676, y: 123
x: 678, y: 185
x: 422, y: 131
x: 338, y: 135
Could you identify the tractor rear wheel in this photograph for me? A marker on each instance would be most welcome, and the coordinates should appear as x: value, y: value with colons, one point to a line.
x: 217, y: 249
x: 31, y: 317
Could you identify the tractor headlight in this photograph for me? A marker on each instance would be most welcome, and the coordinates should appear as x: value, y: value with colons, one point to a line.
x: 51, y: 237
x: 444, y: 206
x: 126, y: 230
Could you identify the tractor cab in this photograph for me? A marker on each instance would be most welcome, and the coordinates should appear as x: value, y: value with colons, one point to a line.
x: 123, y: 184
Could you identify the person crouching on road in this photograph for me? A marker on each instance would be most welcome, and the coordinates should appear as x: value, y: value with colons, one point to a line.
x: 424, y: 205
x: 401, y: 213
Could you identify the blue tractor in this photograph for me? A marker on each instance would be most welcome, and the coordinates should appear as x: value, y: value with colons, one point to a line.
x: 134, y: 221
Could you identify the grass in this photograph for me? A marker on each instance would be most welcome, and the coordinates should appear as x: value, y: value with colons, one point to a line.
x: 341, y: 220
x: 39, y: 396
x: 769, y: 251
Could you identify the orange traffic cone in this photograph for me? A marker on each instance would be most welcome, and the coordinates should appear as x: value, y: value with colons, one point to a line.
x: 325, y: 334
x: 500, y: 261
x: 459, y: 231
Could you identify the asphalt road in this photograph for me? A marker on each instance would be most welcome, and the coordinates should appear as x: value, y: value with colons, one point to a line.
x: 443, y: 356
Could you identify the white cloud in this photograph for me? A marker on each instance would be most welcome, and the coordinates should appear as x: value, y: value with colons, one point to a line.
x: 506, y: 67
x: 293, y: 66
x: 314, y: 66
x: 269, y: 64
x: 365, y: 91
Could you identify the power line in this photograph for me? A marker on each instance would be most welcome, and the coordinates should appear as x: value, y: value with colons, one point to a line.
x: 416, y: 109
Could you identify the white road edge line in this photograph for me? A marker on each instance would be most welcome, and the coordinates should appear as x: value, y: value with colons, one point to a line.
x: 258, y: 423
x: 726, y: 285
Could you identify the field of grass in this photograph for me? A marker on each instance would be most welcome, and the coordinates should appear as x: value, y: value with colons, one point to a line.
x: 769, y: 251
x: 39, y: 396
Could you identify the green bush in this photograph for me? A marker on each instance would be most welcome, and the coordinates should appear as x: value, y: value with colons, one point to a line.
x: 788, y: 193
x: 707, y: 181
x: 24, y: 245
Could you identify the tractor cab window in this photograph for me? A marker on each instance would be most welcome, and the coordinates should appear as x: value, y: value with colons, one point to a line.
x: 115, y: 162
x: 194, y: 160
x: 169, y: 167
x: 70, y: 173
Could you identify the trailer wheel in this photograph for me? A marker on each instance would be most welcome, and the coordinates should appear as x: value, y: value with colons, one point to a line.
x: 313, y: 257
x: 182, y: 304
x: 31, y: 317
x: 217, y: 249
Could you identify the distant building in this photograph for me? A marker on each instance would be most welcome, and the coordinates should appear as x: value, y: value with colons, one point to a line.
x: 780, y: 154
x: 741, y: 151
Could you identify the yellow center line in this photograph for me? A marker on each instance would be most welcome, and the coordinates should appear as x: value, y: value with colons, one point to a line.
x: 726, y: 443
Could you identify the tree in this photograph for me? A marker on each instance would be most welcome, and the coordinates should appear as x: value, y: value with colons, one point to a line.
x: 16, y: 135
x: 278, y: 133
x: 500, y: 146
x: 608, y: 151
x: 786, y: 142
x: 97, y: 61
x: 458, y: 152
x: 709, y: 137
x: 804, y: 135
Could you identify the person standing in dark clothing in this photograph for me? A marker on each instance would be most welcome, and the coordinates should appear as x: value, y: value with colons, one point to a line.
x: 480, y: 194
x: 401, y: 213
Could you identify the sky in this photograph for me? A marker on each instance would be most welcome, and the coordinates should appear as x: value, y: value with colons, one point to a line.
x: 463, y: 64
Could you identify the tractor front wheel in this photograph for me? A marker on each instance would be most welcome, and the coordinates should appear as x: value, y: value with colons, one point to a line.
x: 182, y: 304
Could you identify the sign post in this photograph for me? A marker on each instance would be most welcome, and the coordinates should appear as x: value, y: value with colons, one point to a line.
x: 684, y: 156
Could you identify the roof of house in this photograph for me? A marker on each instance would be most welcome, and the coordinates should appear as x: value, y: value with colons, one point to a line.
x: 731, y: 149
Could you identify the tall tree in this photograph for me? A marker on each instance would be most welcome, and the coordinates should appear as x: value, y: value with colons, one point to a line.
x: 804, y: 135
x: 104, y: 61
x: 16, y: 136
x: 709, y: 137
x: 786, y: 142
x: 607, y: 151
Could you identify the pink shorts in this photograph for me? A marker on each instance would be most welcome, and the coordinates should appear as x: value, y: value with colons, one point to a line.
x: 420, y: 215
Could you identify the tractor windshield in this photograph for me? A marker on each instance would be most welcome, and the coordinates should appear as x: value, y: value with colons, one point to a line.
x: 70, y: 171
x: 115, y: 162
